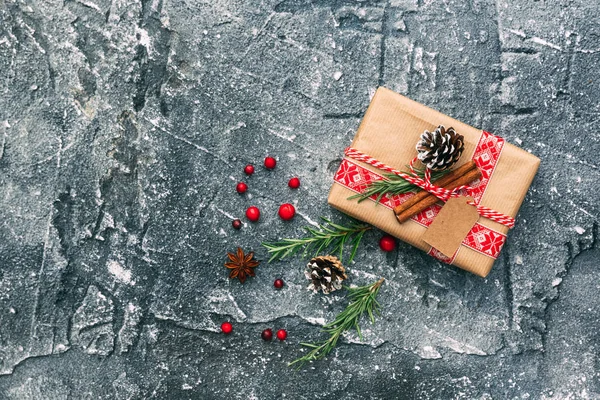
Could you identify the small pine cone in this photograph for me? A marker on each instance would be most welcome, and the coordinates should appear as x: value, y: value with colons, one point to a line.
x: 326, y: 273
x: 440, y: 149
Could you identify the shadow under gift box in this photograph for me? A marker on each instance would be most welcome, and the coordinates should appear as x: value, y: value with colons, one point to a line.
x: 389, y: 132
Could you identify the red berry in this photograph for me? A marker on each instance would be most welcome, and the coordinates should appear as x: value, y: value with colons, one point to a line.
x: 236, y: 223
x: 241, y: 187
x: 253, y: 213
x: 249, y: 169
x: 226, y: 328
x: 287, y: 211
x: 281, y: 334
x: 387, y: 243
x: 267, y: 334
x: 270, y: 162
x: 294, y: 183
x: 278, y: 283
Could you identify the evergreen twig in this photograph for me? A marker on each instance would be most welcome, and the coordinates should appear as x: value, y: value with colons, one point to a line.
x: 363, y: 299
x: 393, y: 185
x: 327, y: 236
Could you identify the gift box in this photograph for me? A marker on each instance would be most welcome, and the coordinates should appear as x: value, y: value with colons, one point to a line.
x: 388, y: 134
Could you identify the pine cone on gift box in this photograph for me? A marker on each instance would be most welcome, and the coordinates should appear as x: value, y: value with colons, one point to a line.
x: 440, y: 149
x: 326, y: 273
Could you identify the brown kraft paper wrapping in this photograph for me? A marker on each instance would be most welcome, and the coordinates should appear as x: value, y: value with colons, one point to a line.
x: 389, y: 132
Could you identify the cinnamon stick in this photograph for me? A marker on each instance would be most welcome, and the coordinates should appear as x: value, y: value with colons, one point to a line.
x: 430, y: 200
x: 442, y: 182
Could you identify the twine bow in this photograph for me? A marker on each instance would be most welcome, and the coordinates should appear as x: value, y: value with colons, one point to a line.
x: 425, y: 183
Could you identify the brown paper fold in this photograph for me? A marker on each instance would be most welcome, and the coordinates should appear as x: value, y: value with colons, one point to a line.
x: 389, y: 131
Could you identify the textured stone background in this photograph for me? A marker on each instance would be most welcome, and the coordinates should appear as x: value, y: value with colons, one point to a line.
x: 124, y: 126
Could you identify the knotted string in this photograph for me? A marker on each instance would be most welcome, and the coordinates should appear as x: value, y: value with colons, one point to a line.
x: 425, y: 183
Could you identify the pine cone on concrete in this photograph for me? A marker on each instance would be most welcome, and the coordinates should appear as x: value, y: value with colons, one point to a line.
x: 440, y: 149
x: 326, y: 273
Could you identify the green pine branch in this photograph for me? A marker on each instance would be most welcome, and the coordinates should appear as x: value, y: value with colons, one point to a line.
x: 363, y: 299
x: 328, y: 236
x: 393, y: 185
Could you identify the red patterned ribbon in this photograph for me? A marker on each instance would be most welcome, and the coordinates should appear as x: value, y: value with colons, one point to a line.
x: 425, y: 184
x: 481, y: 239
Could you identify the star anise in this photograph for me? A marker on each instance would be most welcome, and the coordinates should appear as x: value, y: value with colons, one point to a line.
x: 241, y: 265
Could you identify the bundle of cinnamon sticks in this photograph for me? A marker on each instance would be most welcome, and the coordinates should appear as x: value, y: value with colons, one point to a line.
x: 460, y: 176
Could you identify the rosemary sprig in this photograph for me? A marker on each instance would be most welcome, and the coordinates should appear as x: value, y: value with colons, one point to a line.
x: 393, y: 185
x: 327, y: 236
x: 362, y: 300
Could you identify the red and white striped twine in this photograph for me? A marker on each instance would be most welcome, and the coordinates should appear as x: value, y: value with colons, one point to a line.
x: 425, y: 184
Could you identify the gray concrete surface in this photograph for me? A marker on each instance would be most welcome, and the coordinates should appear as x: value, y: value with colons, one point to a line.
x: 124, y: 126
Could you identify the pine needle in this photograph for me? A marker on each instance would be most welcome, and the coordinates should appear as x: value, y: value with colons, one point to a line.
x: 393, y: 185
x: 363, y: 299
x: 328, y: 236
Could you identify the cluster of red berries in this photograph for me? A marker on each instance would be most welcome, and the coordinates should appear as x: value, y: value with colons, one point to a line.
x: 286, y: 210
x: 266, y: 335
